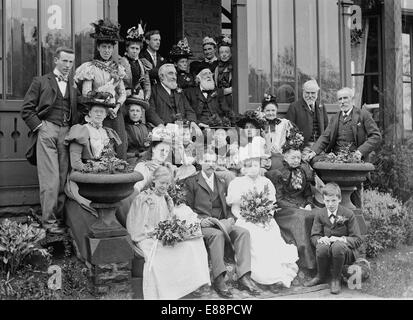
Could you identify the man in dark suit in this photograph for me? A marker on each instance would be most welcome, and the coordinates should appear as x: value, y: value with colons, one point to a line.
x: 168, y: 103
x: 206, y: 196
x: 49, y: 109
x: 336, y: 236
x: 150, y: 57
x: 350, y: 126
x: 309, y: 116
x: 204, y: 98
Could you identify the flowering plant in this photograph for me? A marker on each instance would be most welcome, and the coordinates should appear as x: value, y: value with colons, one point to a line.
x: 174, y: 230
x: 341, y: 220
x: 256, y: 207
x: 107, y: 163
x: 344, y: 155
x: 178, y: 193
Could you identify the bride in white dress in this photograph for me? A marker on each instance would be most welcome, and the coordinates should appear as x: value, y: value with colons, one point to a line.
x: 273, y: 262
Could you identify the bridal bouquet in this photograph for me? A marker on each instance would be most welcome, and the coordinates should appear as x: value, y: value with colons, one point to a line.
x: 256, y: 207
x: 174, y: 230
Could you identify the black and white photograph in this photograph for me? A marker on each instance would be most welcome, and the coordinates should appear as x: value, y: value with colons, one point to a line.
x: 206, y: 154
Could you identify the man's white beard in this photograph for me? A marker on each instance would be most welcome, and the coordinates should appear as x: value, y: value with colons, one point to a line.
x: 170, y: 84
x: 207, y: 84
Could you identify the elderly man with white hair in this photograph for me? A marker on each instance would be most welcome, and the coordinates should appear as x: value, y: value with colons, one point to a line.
x: 204, y: 99
x: 167, y: 102
x: 350, y: 126
x: 308, y: 115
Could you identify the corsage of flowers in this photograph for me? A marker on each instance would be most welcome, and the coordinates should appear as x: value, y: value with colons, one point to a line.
x: 341, y: 220
x: 178, y: 193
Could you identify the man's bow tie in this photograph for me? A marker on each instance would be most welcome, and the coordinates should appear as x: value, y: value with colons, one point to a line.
x: 60, y: 77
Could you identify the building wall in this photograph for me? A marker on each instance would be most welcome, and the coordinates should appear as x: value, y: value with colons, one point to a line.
x: 201, y: 18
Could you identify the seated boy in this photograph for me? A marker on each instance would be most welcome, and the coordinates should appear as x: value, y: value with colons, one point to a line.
x: 336, y: 236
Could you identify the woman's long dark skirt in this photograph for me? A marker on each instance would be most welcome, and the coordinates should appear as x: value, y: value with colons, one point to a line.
x: 295, y: 225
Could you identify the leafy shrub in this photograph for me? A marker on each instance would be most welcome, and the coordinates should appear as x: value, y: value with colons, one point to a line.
x: 390, y: 223
x: 394, y: 170
x: 18, y: 242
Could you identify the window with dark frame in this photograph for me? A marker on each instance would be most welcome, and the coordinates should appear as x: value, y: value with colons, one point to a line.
x: 302, y: 43
x: 28, y: 32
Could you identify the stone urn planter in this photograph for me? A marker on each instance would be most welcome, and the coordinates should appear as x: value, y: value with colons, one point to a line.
x: 106, y: 191
x: 347, y: 175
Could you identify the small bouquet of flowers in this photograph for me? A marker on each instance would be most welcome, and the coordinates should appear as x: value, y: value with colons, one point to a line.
x: 107, y: 163
x: 256, y: 207
x: 174, y: 230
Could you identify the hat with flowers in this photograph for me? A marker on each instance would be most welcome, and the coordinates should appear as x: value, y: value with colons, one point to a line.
x: 180, y: 50
x: 106, y: 30
x: 136, y: 34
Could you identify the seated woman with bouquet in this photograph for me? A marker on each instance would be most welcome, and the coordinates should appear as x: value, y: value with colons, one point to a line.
x: 91, y: 148
x: 176, y: 265
x: 252, y: 200
x: 136, y: 129
x: 295, y: 198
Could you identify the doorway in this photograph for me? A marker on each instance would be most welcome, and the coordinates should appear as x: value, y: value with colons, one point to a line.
x: 165, y: 16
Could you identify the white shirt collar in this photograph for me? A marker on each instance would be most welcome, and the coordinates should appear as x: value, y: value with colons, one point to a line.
x: 210, y: 180
x: 332, y: 213
x: 166, y: 88
x: 211, y: 60
x: 152, y: 55
x: 347, y: 113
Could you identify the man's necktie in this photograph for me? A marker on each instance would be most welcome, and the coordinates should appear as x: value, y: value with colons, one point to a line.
x: 332, y: 218
x: 60, y: 77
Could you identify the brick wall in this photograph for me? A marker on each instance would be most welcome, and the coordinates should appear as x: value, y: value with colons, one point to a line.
x: 201, y: 18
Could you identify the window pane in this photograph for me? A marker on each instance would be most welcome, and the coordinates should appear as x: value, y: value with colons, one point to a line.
x: 329, y: 50
x: 86, y: 12
x: 406, y: 53
x: 407, y: 106
x: 407, y: 4
x: 373, y: 49
x: 258, y: 50
x: 306, y: 26
x: 55, y: 29
x: 283, y: 50
x: 21, y: 46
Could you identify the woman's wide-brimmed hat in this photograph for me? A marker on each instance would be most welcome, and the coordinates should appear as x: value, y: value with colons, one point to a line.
x: 136, y: 34
x: 180, y: 50
x: 256, y: 117
x: 253, y: 150
x: 135, y: 100
x: 100, y: 99
x: 106, y: 30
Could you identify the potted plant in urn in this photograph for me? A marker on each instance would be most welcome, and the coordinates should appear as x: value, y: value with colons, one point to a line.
x: 346, y: 170
x: 98, y: 176
x: 105, y: 183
